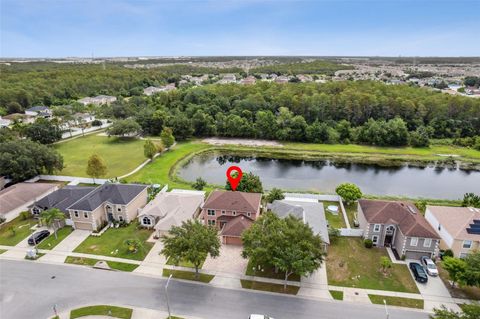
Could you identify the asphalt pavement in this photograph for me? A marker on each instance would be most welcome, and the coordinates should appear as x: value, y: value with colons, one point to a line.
x: 29, y: 290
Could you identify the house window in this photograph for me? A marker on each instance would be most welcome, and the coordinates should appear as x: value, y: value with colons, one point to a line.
x: 223, y: 212
x: 413, y: 241
x: 427, y: 242
x: 211, y: 212
x: 234, y: 213
x: 439, y: 227
x: 36, y: 211
x: 85, y: 214
x: 120, y: 218
x: 211, y: 222
x: 376, y: 228
x: 375, y: 240
x: 249, y: 214
x: 119, y: 209
x: 75, y: 213
x: 467, y: 244
x: 146, y: 221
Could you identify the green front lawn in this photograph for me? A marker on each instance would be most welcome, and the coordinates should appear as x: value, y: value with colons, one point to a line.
x: 187, y: 275
x: 337, y: 295
x: 112, y: 243
x: 268, y: 272
x: 91, y: 262
x: 121, y: 155
x: 15, y: 231
x: 335, y: 221
x: 184, y: 263
x: 350, y: 264
x: 397, y: 301
x: 51, y: 241
x: 102, y: 310
x: 265, y: 286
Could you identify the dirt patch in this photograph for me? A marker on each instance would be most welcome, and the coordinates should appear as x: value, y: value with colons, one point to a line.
x: 245, y: 142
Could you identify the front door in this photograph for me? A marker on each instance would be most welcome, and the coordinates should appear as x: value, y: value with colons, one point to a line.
x: 110, y: 217
x: 389, y: 233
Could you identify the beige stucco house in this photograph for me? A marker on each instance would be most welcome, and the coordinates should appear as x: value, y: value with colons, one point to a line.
x: 108, y: 203
x: 459, y: 227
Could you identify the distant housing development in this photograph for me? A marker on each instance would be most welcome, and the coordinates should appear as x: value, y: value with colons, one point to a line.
x: 98, y: 100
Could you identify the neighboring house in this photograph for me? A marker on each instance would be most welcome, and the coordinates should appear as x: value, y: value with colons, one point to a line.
x: 311, y: 212
x: 152, y: 89
x: 98, y: 100
x: 24, y: 118
x: 231, y: 212
x: 5, y: 122
x: 83, y: 118
x: 39, y: 111
x: 169, y: 209
x: 398, y: 225
x: 228, y: 78
x: 3, y: 182
x: 248, y: 80
x: 17, y: 198
x: 281, y: 79
x: 459, y: 227
x: 108, y: 203
x: 61, y: 199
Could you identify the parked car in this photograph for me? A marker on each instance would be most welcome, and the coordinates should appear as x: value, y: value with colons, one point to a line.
x: 429, y: 266
x: 255, y: 316
x: 418, y: 272
x: 38, y: 237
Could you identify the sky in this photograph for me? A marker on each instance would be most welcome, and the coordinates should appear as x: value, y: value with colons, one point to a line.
x: 82, y: 28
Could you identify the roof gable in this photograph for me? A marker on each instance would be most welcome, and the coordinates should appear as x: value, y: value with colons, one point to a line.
x: 235, y: 201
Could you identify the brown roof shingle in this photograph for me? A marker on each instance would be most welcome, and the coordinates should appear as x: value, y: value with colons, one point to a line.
x: 404, y: 214
x: 236, y: 226
x: 235, y: 201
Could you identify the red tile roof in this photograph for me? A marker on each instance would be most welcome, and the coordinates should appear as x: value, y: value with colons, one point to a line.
x: 403, y: 214
x: 234, y: 201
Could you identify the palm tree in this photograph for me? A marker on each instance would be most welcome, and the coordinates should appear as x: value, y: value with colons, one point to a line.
x: 51, y: 217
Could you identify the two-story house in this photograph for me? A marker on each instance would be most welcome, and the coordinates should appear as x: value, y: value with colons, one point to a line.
x: 231, y: 212
x: 108, y: 203
x: 398, y: 225
x: 459, y: 228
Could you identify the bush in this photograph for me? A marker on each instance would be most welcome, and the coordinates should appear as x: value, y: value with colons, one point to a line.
x: 199, y: 184
x: 368, y: 243
x: 25, y: 215
x: 447, y: 253
x: 96, y: 123
x: 2, y: 219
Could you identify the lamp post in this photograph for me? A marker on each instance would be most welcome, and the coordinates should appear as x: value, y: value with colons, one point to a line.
x: 166, y: 295
x: 386, y: 310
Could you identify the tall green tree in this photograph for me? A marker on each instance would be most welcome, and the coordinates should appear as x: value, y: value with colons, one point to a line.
x: 167, y: 137
x: 43, y: 131
x: 149, y: 149
x: 455, y: 268
x: 471, y: 276
x: 250, y: 183
x: 349, y: 192
x: 52, y: 217
x: 124, y: 128
x: 96, y: 167
x: 275, y: 194
x: 191, y: 242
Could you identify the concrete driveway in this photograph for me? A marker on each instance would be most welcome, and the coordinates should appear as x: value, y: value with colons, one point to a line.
x: 153, y: 262
x: 58, y: 253
x: 229, y: 261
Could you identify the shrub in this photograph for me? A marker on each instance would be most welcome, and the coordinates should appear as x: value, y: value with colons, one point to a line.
x: 96, y: 123
x: 199, y: 184
x: 25, y: 215
x: 2, y: 219
x: 447, y: 253
x: 368, y: 243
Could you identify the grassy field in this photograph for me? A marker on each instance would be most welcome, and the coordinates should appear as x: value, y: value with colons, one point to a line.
x: 102, y: 310
x: 265, y: 286
x: 50, y: 242
x: 187, y: 275
x: 350, y: 264
x: 337, y: 295
x: 397, y: 301
x: 335, y: 221
x: 112, y: 243
x: 121, y: 155
x: 91, y: 262
x: 15, y: 231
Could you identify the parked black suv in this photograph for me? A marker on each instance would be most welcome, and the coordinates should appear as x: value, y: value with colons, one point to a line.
x: 418, y: 272
x: 38, y: 237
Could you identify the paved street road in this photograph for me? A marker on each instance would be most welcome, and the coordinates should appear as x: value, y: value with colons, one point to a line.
x: 29, y: 290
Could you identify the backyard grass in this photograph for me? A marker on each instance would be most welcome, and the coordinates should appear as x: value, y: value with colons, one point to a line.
x: 121, y: 155
x: 350, y: 264
x: 265, y: 286
x: 268, y: 272
x: 50, y: 242
x: 112, y: 243
x: 397, y: 301
x: 337, y: 295
x: 21, y: 230
x: 102, y: 310
x: 161, y: 170
x: 466, y: 292
x: 91, y: 262
x: 335, y: 221
x: 187, y: 275
x: 351, y: 211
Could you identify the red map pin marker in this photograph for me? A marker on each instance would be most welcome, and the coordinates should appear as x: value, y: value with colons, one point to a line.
x: 234, y: 180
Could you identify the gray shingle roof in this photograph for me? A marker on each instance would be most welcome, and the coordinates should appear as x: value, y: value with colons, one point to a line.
x: 119, y: 194
x: 63, y: 197
x: 311, y: 213
x: 38, y: 108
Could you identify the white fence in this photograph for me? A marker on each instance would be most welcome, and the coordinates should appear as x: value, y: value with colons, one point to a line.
x: 73, y: 180
x: 331, y: 198
x: 351, y: 232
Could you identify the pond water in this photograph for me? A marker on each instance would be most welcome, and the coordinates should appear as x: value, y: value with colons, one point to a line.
x: 323, y: 176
